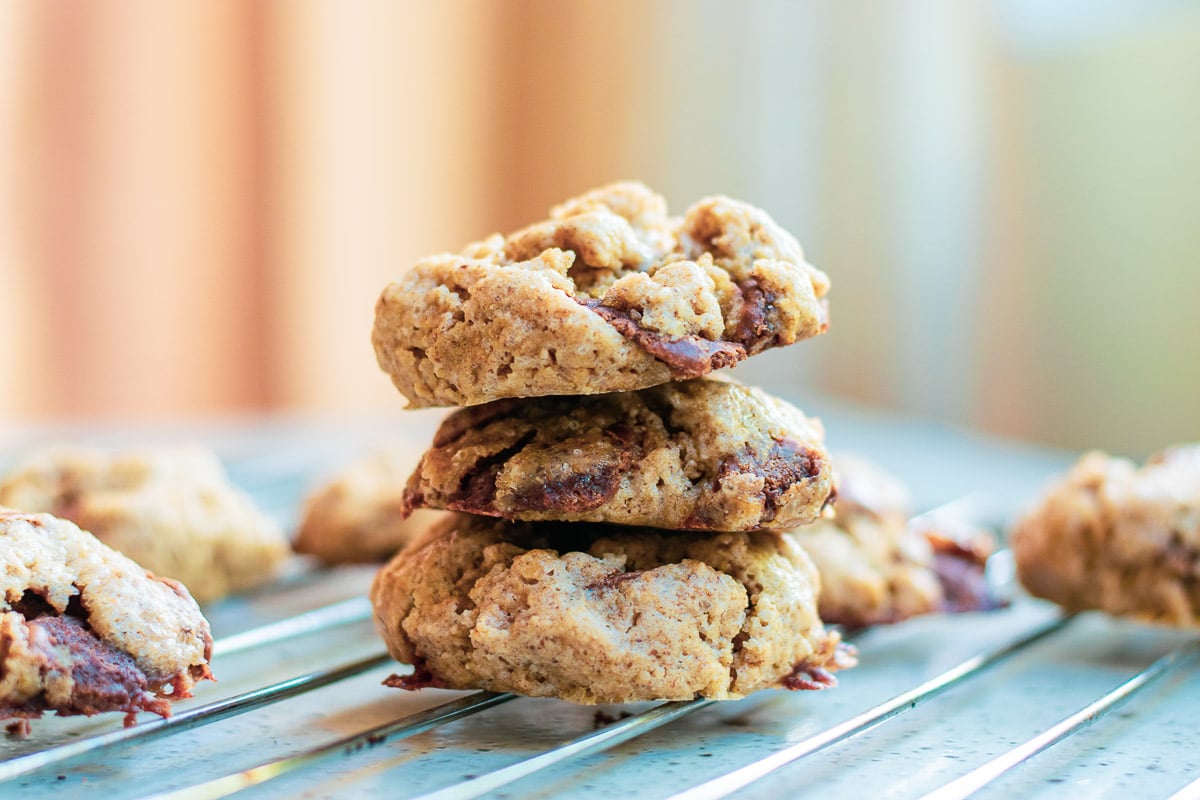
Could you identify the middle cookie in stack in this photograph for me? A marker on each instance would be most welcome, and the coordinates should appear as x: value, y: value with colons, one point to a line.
x: 616, y: 535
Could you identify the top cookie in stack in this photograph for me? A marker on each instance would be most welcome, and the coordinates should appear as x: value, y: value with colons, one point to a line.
x: 581, y: 343
x: 608, y: 295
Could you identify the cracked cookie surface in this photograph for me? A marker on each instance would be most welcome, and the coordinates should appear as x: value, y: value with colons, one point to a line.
x: 84, y: 630
x: 609, y: 294
x: 1120, y: 539
x: 603, y: 614
x: 704, y: 454
x: 358, y: 516
x: 171, y: 509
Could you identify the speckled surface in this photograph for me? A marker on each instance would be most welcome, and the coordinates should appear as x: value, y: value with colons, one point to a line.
x: 1147, y: 749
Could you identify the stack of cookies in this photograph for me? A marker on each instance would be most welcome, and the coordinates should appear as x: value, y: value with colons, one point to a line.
x: 617, y: 512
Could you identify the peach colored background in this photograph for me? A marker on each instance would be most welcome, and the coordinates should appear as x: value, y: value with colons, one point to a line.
x: 200, y: 201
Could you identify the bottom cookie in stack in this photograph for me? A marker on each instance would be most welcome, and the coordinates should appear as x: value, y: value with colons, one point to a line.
x: 604, y: 614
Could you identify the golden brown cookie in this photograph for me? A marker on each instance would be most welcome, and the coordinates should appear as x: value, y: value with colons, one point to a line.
x: 876, y: 567
x: 170, y: 509
x: 605, y: 614
x: 358, y: 516
x: 1113, y: 537
x: 84, y: 630
x: 704, y: 454
x: 609, y: 294
x: 873, y: 568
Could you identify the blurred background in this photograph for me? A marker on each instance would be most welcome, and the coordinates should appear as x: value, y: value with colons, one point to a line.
x: 201, y: 200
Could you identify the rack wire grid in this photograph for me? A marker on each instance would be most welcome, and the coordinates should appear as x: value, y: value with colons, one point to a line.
x: 1020, y: 702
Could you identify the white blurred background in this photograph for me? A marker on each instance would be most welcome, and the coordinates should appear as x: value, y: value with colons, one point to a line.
x: 200, y: 201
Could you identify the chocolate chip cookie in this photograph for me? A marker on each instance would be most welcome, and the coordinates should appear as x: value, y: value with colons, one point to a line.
x: 704, y: 454
x: 601, y: 614
x: 84, y: 630
x: 170, y: 509
x: 876, y: 567
x: 609, y: 294
x: 873, y: 568
x: 1113, y: 537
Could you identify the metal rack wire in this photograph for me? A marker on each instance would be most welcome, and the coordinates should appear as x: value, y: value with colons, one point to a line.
x: 1002, y: 682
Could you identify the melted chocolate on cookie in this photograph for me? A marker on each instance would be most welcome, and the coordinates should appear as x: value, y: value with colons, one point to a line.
x: 102, y: 677
x: 687, y: 356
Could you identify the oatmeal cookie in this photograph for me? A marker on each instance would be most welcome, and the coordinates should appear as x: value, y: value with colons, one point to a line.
x: 873, y: 568
x: 610, y: 294
x: 1113, y: 537
x: 357, y: 517
x: 604, y: 614
x: 84, y: 630
x: 876, y: 567
x: 170, y: 509
x: 704, y: 454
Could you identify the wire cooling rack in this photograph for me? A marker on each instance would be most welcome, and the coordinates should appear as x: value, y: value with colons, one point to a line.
x: 1020, y: 702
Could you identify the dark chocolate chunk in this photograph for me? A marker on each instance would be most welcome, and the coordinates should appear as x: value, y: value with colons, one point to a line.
x: 104, y: 678
x: 582, y: 491
x: 786, y: 464
x: 755, y: 329
x: 687, y: 356
x: 476, y: 492
x: 961, y: 571
x: 573, y: 493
